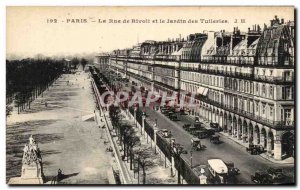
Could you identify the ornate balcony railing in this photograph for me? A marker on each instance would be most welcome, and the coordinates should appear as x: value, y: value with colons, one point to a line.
x: 165, y: 57
x: 250, y: 115
x: 275, y: 78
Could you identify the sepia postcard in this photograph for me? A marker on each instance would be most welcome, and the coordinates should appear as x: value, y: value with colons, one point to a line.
x: 152, y: 95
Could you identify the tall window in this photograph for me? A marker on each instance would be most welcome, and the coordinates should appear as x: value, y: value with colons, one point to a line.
x: 271, y: 92
x: 263, y: 89
x: 248, y: 86
x: 263, y: 108
x: 241, y: 85
x: 257, y: 89
x: 271, y: 111
x: 286, y: 115
x: 287, y: 93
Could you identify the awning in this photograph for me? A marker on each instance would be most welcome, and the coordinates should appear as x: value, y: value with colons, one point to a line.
x: 202, y: 90
x: 205, y: 92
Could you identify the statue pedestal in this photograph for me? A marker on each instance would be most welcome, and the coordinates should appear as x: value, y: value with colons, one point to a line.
x: 32, y: 172
x: 27, y: 181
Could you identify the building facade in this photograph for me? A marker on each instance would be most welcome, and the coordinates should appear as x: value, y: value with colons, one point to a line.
x: 242, y: 80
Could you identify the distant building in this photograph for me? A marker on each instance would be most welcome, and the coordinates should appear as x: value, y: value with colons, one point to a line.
x: 102, y: 61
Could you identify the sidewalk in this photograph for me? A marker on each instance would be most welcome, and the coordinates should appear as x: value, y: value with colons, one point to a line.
x: 244, y: 145
x: 156, y: 174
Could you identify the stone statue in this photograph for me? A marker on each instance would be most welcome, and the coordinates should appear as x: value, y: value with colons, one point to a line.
x: 31, y: 153
x: 32, y: 168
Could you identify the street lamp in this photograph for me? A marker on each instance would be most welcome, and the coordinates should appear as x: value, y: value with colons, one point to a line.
x: 142, y: 162
x: 143, y: 122
x: 135, y: 109
x: 138, y: 161
x: 191, y: 158
x: 177, y: 151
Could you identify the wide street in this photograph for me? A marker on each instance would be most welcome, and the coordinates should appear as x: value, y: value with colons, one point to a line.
x: 228, y: 150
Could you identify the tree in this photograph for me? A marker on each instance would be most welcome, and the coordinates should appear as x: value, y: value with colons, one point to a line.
x: 133, y: 141
x: 28, y: 78
x: 75, y: 62
x: 145, y: 161
x: 8, y: 110
x: 124, y: 130
x: 83, y: 62
x: 115, y: 116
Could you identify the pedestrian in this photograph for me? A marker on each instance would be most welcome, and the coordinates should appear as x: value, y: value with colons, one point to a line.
x: 199, y: 147
x: 59, y: 174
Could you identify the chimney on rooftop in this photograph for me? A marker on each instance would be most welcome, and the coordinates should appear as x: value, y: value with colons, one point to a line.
x: 258, y: 28
x: 282, y: 21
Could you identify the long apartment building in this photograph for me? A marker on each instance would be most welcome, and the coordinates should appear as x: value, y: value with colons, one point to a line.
x: 242, y: 80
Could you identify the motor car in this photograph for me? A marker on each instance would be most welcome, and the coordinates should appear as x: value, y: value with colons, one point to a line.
x: 199, y: 125
x: 210, y: 132
x: 261, y: 177
x: 215, y: 139
x: 196, y: 144
x: 165, y: 133
x: 201, y: 134
x: 170, y: 113
x: 231, y: 169
x: 215, y: 126
x: 255, y: 149
x: 218, y: 171
x: 182, y: 111
x: 186, y: 126
x: 164, y: 111
x: 275, y: 173
x: 173, y: 117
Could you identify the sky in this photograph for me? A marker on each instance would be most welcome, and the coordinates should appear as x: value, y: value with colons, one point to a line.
x: 31, y: 30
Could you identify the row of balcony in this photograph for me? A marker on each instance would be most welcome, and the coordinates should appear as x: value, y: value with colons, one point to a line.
x: 275, y: 78
x: 178, y: 58
x: 249, y: 115
x: 249, y: 76
x: 221, y: 72
x: 213, y: 59
x: 233, y: 109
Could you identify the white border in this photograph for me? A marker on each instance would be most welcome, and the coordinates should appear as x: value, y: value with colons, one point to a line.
x: 5, y: 3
